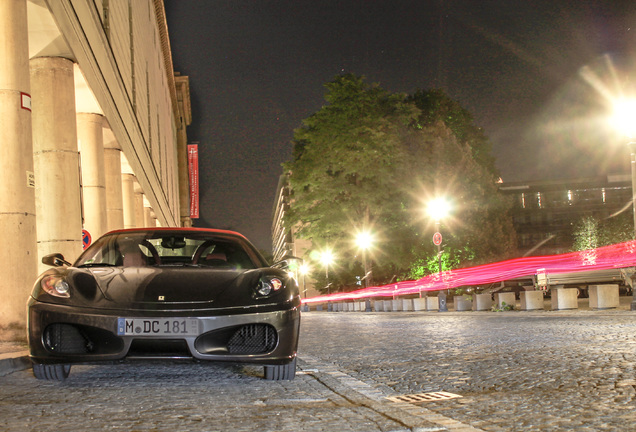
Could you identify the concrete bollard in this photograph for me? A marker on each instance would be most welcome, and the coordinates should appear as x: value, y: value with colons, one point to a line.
x: 378, y: 306
x: 432, y: 303
x: 419, y: 304
x: 603, y: 296
x: 508, y: 298
x: 407, y: 305
x: 531, y: 300
x: 565, y: 298
x: 396, y: 305
x: 388, y: 305
x: 482, y: 302
x: 351, y: 307
x: 462, y: 303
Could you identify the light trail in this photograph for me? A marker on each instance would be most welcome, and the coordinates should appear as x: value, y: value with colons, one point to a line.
x: 615, y: 256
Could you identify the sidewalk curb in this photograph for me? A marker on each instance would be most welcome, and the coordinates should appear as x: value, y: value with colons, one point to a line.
x: 14, y: 362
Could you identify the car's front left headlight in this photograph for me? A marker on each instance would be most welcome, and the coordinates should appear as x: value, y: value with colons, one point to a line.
x: 268, y: 285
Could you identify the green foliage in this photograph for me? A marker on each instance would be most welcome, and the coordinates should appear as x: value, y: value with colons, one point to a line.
x: 369, y: 159
x: 504, y: 307
x: 591, y: 232
x: 436, y: 106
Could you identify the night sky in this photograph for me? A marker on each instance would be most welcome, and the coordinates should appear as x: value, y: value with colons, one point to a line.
x: 536, y: 75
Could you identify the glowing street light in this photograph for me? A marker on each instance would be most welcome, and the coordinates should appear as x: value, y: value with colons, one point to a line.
x: 364, y: 241
x: 625, y: 117
x: 625, y: 123
x: 326, y: 258
x: 303, y: 270
x: 438, y: 208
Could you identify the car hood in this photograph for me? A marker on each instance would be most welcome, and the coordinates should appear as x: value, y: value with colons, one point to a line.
x: 166, y: 286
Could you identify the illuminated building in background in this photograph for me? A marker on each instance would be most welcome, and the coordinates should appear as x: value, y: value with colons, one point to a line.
x: 285, y: 243
x: 547, y: 211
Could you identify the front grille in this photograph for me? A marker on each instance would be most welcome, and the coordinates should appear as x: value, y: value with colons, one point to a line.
x: 66, y: 339
x: 253, y: 339
x: 160, y: 348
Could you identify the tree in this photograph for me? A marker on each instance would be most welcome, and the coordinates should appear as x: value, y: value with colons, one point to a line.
x: 344, y: 162
x: 436, y: 106
x: 364, y: 161
x: 480, y: 228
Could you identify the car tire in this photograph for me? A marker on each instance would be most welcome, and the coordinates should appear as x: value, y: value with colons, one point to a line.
x: 51, y: 372
x: 281, y: 372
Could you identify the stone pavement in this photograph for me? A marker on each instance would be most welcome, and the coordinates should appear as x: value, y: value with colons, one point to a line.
x: 535, y: 371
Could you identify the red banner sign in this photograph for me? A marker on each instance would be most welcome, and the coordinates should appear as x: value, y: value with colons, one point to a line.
x: 193, y: 169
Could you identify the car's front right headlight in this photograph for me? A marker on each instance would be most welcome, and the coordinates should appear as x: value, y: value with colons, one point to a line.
x: 56, y: 286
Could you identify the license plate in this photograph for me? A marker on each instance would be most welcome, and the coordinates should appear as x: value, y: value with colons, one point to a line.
x: 157, y: 327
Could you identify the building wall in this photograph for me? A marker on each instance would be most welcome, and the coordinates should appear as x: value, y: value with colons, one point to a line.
x: 122, y: 48
x: 545, y: 212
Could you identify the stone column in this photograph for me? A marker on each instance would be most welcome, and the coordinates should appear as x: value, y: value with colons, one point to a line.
x: 57, y: 184
x: 139, y: 205
x: 148, y: 213
x: 148, y: 220
x: 17, y: 194
x: 128, y: 193
x: 90, y: 140
x: 112, y: 169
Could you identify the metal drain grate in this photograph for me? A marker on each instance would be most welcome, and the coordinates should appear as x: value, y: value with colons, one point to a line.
x: 423, y: 397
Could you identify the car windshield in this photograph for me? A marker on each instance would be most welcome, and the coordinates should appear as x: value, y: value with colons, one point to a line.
x: 171, y: 248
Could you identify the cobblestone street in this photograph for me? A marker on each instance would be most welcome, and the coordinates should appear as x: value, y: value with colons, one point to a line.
x: 535, y: 371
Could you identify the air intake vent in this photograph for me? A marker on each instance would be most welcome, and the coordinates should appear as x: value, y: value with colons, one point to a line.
x: 253, y: 339
x: 66, y: 339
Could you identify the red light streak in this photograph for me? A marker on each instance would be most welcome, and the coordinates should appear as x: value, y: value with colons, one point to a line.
x: 616, y: 256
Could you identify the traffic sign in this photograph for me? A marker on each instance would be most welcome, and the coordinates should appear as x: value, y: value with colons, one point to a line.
x: 437, y: 239
x: 86, y: 239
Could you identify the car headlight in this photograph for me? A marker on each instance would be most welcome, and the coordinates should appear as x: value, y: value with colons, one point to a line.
x: 268, y: 285
x: 56, y: 286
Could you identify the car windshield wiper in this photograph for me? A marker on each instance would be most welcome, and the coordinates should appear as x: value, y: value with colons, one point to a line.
x: 96, y: 265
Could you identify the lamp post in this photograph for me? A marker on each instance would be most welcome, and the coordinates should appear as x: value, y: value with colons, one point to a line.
x: 438, y: 209
x: 303, y: 270
x: 364, y: 240
x: 326, y: 258
x: 625, y: 122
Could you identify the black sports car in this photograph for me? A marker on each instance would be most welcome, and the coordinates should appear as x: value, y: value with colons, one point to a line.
x: 164, y: 293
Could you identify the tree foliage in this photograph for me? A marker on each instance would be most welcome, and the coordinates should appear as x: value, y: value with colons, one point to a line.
x: 591, y: 232
x: 369, y: 159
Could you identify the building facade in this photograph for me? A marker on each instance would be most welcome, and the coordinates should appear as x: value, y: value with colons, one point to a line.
x: 545, y: 212
x: 93, y: 130
x: 285, y: 243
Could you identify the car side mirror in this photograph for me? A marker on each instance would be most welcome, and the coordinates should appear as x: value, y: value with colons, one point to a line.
x: 284, y: 263
x: 55, y: 260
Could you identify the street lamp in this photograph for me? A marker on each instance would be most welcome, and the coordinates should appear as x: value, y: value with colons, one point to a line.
x: 326, y: 258
x: 438, y: 209
x: 625, y: 123
x: 303, y: 270
x: 364, y: 240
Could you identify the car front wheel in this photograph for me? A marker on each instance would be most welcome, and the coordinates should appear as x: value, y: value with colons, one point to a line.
x: 281, y: 372
x: 51, y: 372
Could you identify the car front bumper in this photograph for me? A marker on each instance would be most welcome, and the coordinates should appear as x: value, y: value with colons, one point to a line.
x: 63, y: 334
